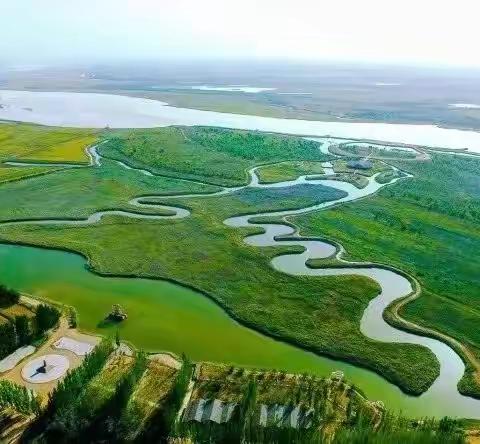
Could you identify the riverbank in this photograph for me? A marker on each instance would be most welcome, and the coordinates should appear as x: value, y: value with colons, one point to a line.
x: 100, y: 110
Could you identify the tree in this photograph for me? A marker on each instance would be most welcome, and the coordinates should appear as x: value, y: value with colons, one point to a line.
x: 18, y: 397
x: 46, y: 318
x: 72, y: 317
x: 23, y: 330
x: 8, y: 339
x: 117, y: 314
x: 8, y: 296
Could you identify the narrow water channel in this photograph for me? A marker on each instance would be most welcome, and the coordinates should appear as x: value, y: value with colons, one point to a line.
x: 165, y: 316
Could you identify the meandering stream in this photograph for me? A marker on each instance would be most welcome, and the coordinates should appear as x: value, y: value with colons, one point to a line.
x: 441, y: 399
x: 393, y: 286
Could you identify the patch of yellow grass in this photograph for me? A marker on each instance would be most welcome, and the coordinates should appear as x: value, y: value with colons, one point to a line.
x: 155, y: 384
x: 16, y: 310
x: 70, y: 151
x: 35, y: 142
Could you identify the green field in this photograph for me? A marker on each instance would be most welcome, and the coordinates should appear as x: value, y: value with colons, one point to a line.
x: 11, y: 173
x: 195, y: 250
x: 78, y: 192
x: 375, y: 151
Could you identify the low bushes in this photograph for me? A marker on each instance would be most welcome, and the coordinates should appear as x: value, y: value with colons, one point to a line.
x: 8, y: 296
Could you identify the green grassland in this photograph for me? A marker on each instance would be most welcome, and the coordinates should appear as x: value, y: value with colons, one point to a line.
x: 197, y: 251
x: 357, y: 180
x: 429, y: 227
x: 153, y: 388
x: 224, y: 102
x: 375, y: 151
x: 213, y: 155
x: 288, y: 171
x: 101, y: 388
x: 78, y: 192
x: 388, y: 175
x: 34, y: 142
x: 11, y: 173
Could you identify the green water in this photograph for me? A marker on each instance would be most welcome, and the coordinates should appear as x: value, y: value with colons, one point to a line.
x: 164, y: 316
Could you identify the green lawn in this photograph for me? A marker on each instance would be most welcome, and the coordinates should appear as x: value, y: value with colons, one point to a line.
x: 429, y: 227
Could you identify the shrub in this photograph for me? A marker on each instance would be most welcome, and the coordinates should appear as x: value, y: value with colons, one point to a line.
x: 72, y: 317
x: 8, y: 296
x: 46, y: 318
x: 8, y: 339
x: 23, y: 330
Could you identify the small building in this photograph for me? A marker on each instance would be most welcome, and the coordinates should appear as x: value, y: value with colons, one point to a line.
x: 363, y: 164
x: 276, y: 415
x: 285, y: 416
x: 204, y: 410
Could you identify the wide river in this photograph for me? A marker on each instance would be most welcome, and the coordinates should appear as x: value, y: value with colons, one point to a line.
x: 99, y: 110
x: 206, y: 331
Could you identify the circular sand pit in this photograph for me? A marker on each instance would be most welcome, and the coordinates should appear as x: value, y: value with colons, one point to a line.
x: 45, y: 369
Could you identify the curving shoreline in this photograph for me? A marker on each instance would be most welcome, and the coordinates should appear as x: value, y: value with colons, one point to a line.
x: 395, y: 286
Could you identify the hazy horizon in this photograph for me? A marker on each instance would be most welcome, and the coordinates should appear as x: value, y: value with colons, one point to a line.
x: 407, y: 33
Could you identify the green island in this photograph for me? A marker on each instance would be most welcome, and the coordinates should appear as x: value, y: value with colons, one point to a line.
x: 280, y: 172
x: 233, y: 307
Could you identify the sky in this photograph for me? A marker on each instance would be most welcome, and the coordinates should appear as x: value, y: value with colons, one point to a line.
x: 427, y: 32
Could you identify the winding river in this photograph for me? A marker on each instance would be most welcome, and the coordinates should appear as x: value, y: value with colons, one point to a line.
x: 393, y: 286
x: 442, y: 398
